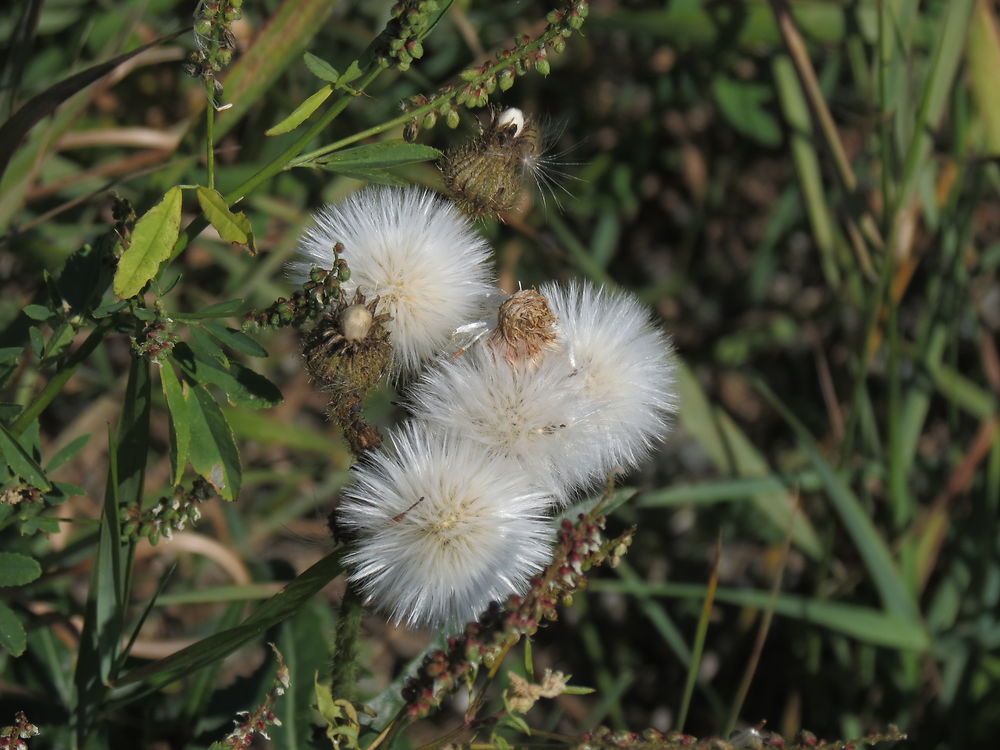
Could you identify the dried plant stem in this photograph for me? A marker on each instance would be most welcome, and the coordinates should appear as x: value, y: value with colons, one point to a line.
x: 810, y: 83
x: 765, y: 625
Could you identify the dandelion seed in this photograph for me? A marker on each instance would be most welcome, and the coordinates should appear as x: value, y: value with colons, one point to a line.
x: 414, y: 251
x: 623, y: 365
x: 442, y: 528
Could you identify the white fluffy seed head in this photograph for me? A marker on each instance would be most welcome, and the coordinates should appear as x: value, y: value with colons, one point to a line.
x: 624, y: 366
x: 416, y: 252
x: 532, y: 413
x: 443, y: 528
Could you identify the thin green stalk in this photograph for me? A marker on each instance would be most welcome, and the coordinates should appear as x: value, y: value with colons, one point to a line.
x: 210, y: 133
x: 345, y: 653
x: 435, y: 102
x: 699, y: 638
x: 55, y: 385
x: 277, y: 164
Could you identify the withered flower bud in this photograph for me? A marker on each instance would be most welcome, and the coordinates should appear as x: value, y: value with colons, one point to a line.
x: 525, y: 326
x: 348, y: 351
x: 486, y: 175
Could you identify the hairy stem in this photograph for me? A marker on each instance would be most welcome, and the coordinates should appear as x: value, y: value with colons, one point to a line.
x: 345, y: 654
x: 210, y: 133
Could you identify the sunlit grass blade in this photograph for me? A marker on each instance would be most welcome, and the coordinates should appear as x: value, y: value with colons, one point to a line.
x: 699, y: 639
x: 862, y: 623
x: 879, y: 562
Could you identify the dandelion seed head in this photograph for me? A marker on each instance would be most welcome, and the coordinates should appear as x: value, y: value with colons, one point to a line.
x: 624, y: 366
x: 442, y: 527
x: 529, y: 412
x: 415, y: 251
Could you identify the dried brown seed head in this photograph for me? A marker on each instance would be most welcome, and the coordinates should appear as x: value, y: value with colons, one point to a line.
x: 525, y: 327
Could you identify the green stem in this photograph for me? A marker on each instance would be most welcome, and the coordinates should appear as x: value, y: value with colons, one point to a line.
x: 435, y: 102
x: 277, y: 164
x: 52, y: 388
x: 345, y: 654
x: 210, y: 133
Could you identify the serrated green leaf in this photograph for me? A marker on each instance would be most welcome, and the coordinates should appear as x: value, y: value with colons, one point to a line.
x: 321, y: 68
x: 21, y: 462
x: 17, y: 569
x: 213, y: 452
x: 381, y: 155
x: 231, y: 227
x: 12, y: 635
x: 180, y: 420
x: 302, y: 112
x: 38, y: 312
x: 152, y: 240
x: 235, y: 340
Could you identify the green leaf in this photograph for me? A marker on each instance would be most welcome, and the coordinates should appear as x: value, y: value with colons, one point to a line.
x: 14, y: 129
x: 152, y: 240
x: 742, y: 104
x: 381, y: 155
x: 353, y: 72
x: 67, y: 452
x: 302, y: 112
x: 12, y: 635
x: 219, y: 310
x: 881, y: 566
x: 733, y: 452
x: 21, y: 462
x: 321, y: 68
x: 235, y: 340
x: 38, y: 312
x: 213, y: 448
x: 17, y: 569
x: 216, y: 647
x: 863, y: 623
x: 241, y: 385
x: 231, y: 227
x: 180, y: 420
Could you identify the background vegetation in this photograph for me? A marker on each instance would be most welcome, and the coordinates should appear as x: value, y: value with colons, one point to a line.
x: 808, y: 199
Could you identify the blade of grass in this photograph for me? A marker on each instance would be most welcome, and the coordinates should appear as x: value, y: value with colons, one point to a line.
x: 732, y: 452
x: 864, y: 624
x: 893, y: 592
x: 216, y: 647
x: 807, y: 166
x: 699, y: 638
x: 948, y: 53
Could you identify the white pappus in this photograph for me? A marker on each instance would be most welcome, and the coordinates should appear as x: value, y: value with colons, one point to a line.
x: 413, y: 250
